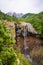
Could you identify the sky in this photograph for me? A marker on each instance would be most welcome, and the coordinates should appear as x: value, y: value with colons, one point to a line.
x: 21, y: 6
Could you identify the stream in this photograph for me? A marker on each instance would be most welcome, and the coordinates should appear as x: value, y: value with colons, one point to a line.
x: 26, y: 52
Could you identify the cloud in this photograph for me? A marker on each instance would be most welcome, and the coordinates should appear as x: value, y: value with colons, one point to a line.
x: 21, y: 6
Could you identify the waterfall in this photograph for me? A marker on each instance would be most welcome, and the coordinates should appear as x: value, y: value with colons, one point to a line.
x: 25, y: 36
x: 26, y: 49
x: 25, y: 43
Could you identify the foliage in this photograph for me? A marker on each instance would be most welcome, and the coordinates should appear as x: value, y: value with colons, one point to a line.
x: 7, y: 54
x: 23, y: 60
x: 21, y: 20
x: 37, y: 21
x: 27, y: 15
x: 4, y: 16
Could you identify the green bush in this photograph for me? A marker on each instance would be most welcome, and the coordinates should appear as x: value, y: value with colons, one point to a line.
x: 23, y: 60
x: 7, y: 54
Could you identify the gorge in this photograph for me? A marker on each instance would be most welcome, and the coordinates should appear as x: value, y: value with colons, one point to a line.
x: 27, y: 40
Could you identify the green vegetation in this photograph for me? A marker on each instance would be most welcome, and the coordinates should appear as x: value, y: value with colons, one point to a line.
x: 37, y: 21
x: 27, y: 15
x: 8, y: 56
x: 21, y: 20
x: 23, y: 60
x: 4, y: 16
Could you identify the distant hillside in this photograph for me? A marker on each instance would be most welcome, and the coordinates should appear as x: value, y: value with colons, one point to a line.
x: 27, y: 15
x: 35, y: 19
x: 18, y: 15
x: 4, y: 16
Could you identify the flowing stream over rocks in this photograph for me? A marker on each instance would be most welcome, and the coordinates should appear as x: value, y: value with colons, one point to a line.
x: 26, y: 49
x: 26, y: 41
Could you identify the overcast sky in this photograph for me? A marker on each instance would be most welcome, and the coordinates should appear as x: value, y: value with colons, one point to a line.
x: 21, y: 6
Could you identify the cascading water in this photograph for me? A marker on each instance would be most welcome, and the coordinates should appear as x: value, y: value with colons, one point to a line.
x: 26, y: 49
x: 25, y: 44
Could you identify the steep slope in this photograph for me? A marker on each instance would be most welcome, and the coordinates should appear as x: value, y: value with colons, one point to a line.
x: 27, y: 15
x: 37, y: 22
x: 4, y: 16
